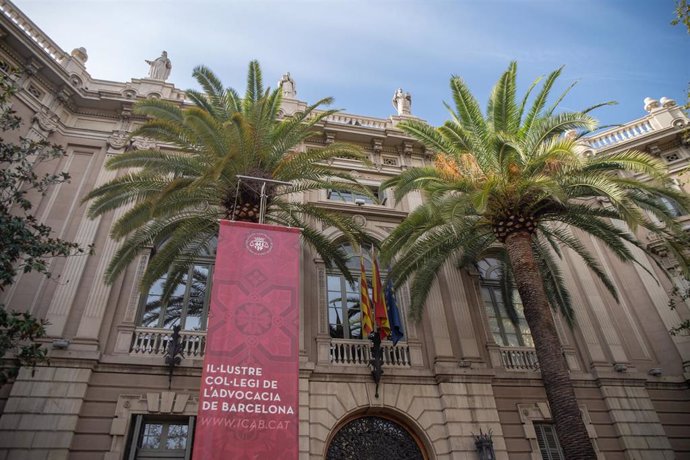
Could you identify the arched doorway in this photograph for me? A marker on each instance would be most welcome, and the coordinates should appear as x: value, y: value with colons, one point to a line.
x: 373, y: 438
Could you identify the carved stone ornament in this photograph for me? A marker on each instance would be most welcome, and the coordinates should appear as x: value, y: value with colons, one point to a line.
x: 32, y: 66
x: 76, y: 81
x: 118, y: 140
x: 142, y: 143
x: 359, y: 220
x: 407, y: 148
x: 64, y: 94
x: 80, y: 54
x: 650, y: 104
x: 46, y: 121
x: 377, y: 145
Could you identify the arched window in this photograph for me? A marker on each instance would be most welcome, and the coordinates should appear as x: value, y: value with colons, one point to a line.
x: 181, y: 298
x: 504, y: 331
x: 344, y: 313
x: 373, y: 438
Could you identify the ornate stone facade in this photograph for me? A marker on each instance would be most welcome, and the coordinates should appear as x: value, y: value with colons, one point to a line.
x: 448, y: 380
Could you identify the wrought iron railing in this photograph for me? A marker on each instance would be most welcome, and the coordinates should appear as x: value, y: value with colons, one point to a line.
x: 358, y: 353
x: 519, y: 359
x: 148, y: 341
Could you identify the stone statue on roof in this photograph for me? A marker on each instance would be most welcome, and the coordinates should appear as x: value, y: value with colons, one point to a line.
x: 402, y: 102
x: 159, y: 69
x: 288, y: 86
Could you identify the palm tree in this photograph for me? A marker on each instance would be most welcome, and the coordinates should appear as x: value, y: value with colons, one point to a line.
x: 513, y: 179
x: 178, y: 195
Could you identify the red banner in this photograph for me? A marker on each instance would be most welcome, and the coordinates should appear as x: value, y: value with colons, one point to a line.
x: 249, y: 388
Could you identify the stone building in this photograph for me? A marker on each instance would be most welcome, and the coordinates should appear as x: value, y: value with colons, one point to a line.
x: 462, y: 369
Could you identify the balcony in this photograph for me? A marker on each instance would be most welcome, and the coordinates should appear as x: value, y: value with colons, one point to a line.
x: 620, y: 134
x: 154, y: 342
x: 358, y: 353
x: 519, y: 359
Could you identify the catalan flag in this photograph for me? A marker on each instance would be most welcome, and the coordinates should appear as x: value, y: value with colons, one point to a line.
x: 364, y: 302
x: 379, y: 300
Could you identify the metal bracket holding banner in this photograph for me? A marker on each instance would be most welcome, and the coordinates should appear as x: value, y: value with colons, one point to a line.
x: 263, y: 197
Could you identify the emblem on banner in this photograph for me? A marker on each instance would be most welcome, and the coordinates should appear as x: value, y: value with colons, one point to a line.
x: 259, y: 244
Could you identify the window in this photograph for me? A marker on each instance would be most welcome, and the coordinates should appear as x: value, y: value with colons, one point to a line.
x: 548, y: 441
x: 344, y: 313
x: 348, y: 196
x: 364, y: 436
x: 671, y: 206
x: 185, y: 304
x: 504, y: 331
x: 158, y: 437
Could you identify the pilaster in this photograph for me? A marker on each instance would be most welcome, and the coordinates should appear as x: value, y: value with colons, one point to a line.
x: 635, y: 420
x: 62, y: 300
x: 41, y: 414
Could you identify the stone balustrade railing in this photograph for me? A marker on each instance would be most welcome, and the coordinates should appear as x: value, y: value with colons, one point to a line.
x: 24, y: 23
x: 519, y: 359
x: 154, y: 342
x: 621, y: 134
x: 358, y: 353
x: 353, y: 120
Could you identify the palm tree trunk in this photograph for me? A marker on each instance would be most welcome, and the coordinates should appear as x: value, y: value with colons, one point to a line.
x: 570, y: 428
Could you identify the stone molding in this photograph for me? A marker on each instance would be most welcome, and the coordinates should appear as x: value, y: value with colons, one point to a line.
x: 154, y: 403
x: 540, y: 412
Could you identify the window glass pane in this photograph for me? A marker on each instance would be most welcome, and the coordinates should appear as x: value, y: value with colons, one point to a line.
x: 177, y: 437
x: 493, y: 325
x: 335, y: 299
x: 527, y: 338
x: 173, y: 309
x: 350, y: 197
x: 152, y: 312
x: 151, y: 438
x: 486, y: 294
x: 547, y: 440
x: 197, y: 297
x: 344, y: 309
x: 489, y: 268
x: 355, y: 316
x: 333, y: 283
x: 512, y: 340
x: 504, y: 331
x: 508, y: 326
x: 153, y: 305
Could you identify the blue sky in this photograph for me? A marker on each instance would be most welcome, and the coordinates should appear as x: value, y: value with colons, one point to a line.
x: 359, y: 51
